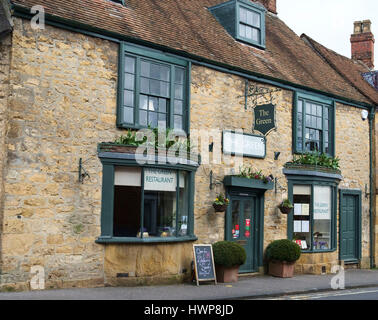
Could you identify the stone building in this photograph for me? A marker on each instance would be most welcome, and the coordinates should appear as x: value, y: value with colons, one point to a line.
x: 252, y: 95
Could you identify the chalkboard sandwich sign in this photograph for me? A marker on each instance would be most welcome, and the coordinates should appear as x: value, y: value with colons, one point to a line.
x: 204, y: 263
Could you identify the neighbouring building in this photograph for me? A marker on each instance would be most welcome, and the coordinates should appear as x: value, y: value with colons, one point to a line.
x: 253, y: 97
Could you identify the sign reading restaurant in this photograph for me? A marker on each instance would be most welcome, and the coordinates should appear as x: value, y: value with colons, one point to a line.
x: 264, y: 118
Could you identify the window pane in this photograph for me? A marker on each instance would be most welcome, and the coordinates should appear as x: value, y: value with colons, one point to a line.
x: 178, y: 107
x: 178, y: 91
x: 242, y: 30
x: 302, y: 222
x: 250, y: 17
x: 178, y: 122
x: 300, y: 106
x: 143, y: 102
x: 128, y: 98
x: 162, y: 105
x: 308, y: 120
x: 248, y: 32
x: 308, y: 108
x: 256, y: 20
x: 145, y: 68
x: 130, y: 65
x: 256, y: 35
x: 129, y: 81
x: 243, y: 15
x: 143, y: 118
x: 235, y: 219
x: 155, y: 87
x: 153, y: 104
x: 164, y: 73
x: 160, y: 202
x: 314, y: 109
x: 326, y: 112
x: 162, y: 120
x: 152, y: 119
x: 144, y: 85
x: 179, y: 75
x: 128, y: 115
x: 164, y: 89
x: 126, y: 214
x: 319, y: 111
x: 154, y: 71
x: 322, y: 217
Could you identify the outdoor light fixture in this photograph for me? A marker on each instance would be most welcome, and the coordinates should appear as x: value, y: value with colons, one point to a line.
x: 364, y: 114
x: 276, y: 155
x: 82, y: 173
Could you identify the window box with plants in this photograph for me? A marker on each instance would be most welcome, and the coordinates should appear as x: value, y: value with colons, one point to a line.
x: 282, y: 255
x: 250, y: 178
x: 228, y: 257
x: 169, y: 145
x: 314, y: 161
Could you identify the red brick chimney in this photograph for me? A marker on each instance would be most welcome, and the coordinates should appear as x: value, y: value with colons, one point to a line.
x: 270, y: 5
x: 362, y: 41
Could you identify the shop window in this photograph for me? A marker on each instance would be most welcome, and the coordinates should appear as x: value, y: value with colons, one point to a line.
x: 243, y: 19
x: 153, y: 89
x: 146, y: 204
x: 313, y: 125
x: 313, y: 221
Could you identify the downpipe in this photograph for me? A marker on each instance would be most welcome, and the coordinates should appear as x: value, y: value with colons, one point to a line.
x: 372, y: 210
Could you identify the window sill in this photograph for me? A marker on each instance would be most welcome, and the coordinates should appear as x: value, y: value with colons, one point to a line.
x: 107, y: 240
x: 318, y: 251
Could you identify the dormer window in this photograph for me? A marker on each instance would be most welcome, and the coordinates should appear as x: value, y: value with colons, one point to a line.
x: 243, y: 19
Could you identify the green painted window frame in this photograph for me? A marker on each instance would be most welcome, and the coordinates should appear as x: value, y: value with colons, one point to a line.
x: 160, y: 57
x: 109, y: 162
x: 256, y: 9
x: 325, y: 103
x: 314, y: 182
x: 119, y: 1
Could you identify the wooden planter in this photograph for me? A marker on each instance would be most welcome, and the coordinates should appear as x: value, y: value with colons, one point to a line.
x: 220, y: 207
x: 281, y: 269
x: 227, y: 274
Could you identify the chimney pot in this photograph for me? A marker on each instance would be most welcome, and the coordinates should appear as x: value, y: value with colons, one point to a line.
x: 362, y: 42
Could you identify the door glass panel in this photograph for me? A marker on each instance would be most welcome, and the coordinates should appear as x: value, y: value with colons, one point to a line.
x: 302, y: 223
x: 247, y: 219
x: 235, y: 219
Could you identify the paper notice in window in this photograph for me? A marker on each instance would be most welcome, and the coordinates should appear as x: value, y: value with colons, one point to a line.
x: 305, y: 209
x: 304, y: 244
x: 305, y: 226
x: 297, y: 226
x: 297, y: 209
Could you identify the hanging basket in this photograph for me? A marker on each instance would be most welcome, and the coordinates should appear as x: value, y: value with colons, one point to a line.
x: 285, y: 210
x: 220, y: 207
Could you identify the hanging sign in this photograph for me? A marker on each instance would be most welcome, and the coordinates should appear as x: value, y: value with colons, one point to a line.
x: 264, y: 118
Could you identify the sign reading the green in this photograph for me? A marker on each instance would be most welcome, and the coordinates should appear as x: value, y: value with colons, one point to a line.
x: 265, y: 119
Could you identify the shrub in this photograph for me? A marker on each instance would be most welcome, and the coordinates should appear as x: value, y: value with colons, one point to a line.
x: 228, y: 253
x: 283, y: 250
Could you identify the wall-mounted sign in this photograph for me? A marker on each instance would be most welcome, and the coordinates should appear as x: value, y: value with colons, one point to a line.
x: 160, y: 180
x: 247, y: 145
x: 265, y: 118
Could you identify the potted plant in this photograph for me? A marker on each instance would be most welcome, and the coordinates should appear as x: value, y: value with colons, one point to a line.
x: 286, y: 206
x: 228, y: 257
x: 282, y: 255
x: 220, y: 204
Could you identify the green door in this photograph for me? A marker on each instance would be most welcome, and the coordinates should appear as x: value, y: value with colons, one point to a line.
x: 349, y: 234
x: 242, y: 228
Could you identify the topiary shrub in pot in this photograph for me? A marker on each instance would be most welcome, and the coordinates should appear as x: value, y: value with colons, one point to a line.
x: 282, y: 255
x: 228, y: 257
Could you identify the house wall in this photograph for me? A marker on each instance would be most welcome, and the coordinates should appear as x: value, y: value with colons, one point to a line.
x: 62, y: 102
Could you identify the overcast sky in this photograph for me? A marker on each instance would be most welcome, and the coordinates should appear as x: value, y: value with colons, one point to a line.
x: 330, y: 22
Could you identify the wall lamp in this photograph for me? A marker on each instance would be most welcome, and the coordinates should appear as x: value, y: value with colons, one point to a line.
x: 82, y: 172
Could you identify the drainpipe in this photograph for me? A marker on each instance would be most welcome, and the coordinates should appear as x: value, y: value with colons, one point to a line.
x: 372, y: 213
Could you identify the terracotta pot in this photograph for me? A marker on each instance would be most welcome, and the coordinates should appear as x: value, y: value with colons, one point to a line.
x: 220, y: 207
x: 227, y: 274
x: 281, y: 269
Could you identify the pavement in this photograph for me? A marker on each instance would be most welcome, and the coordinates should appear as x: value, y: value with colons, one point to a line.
x: 248, y: 287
